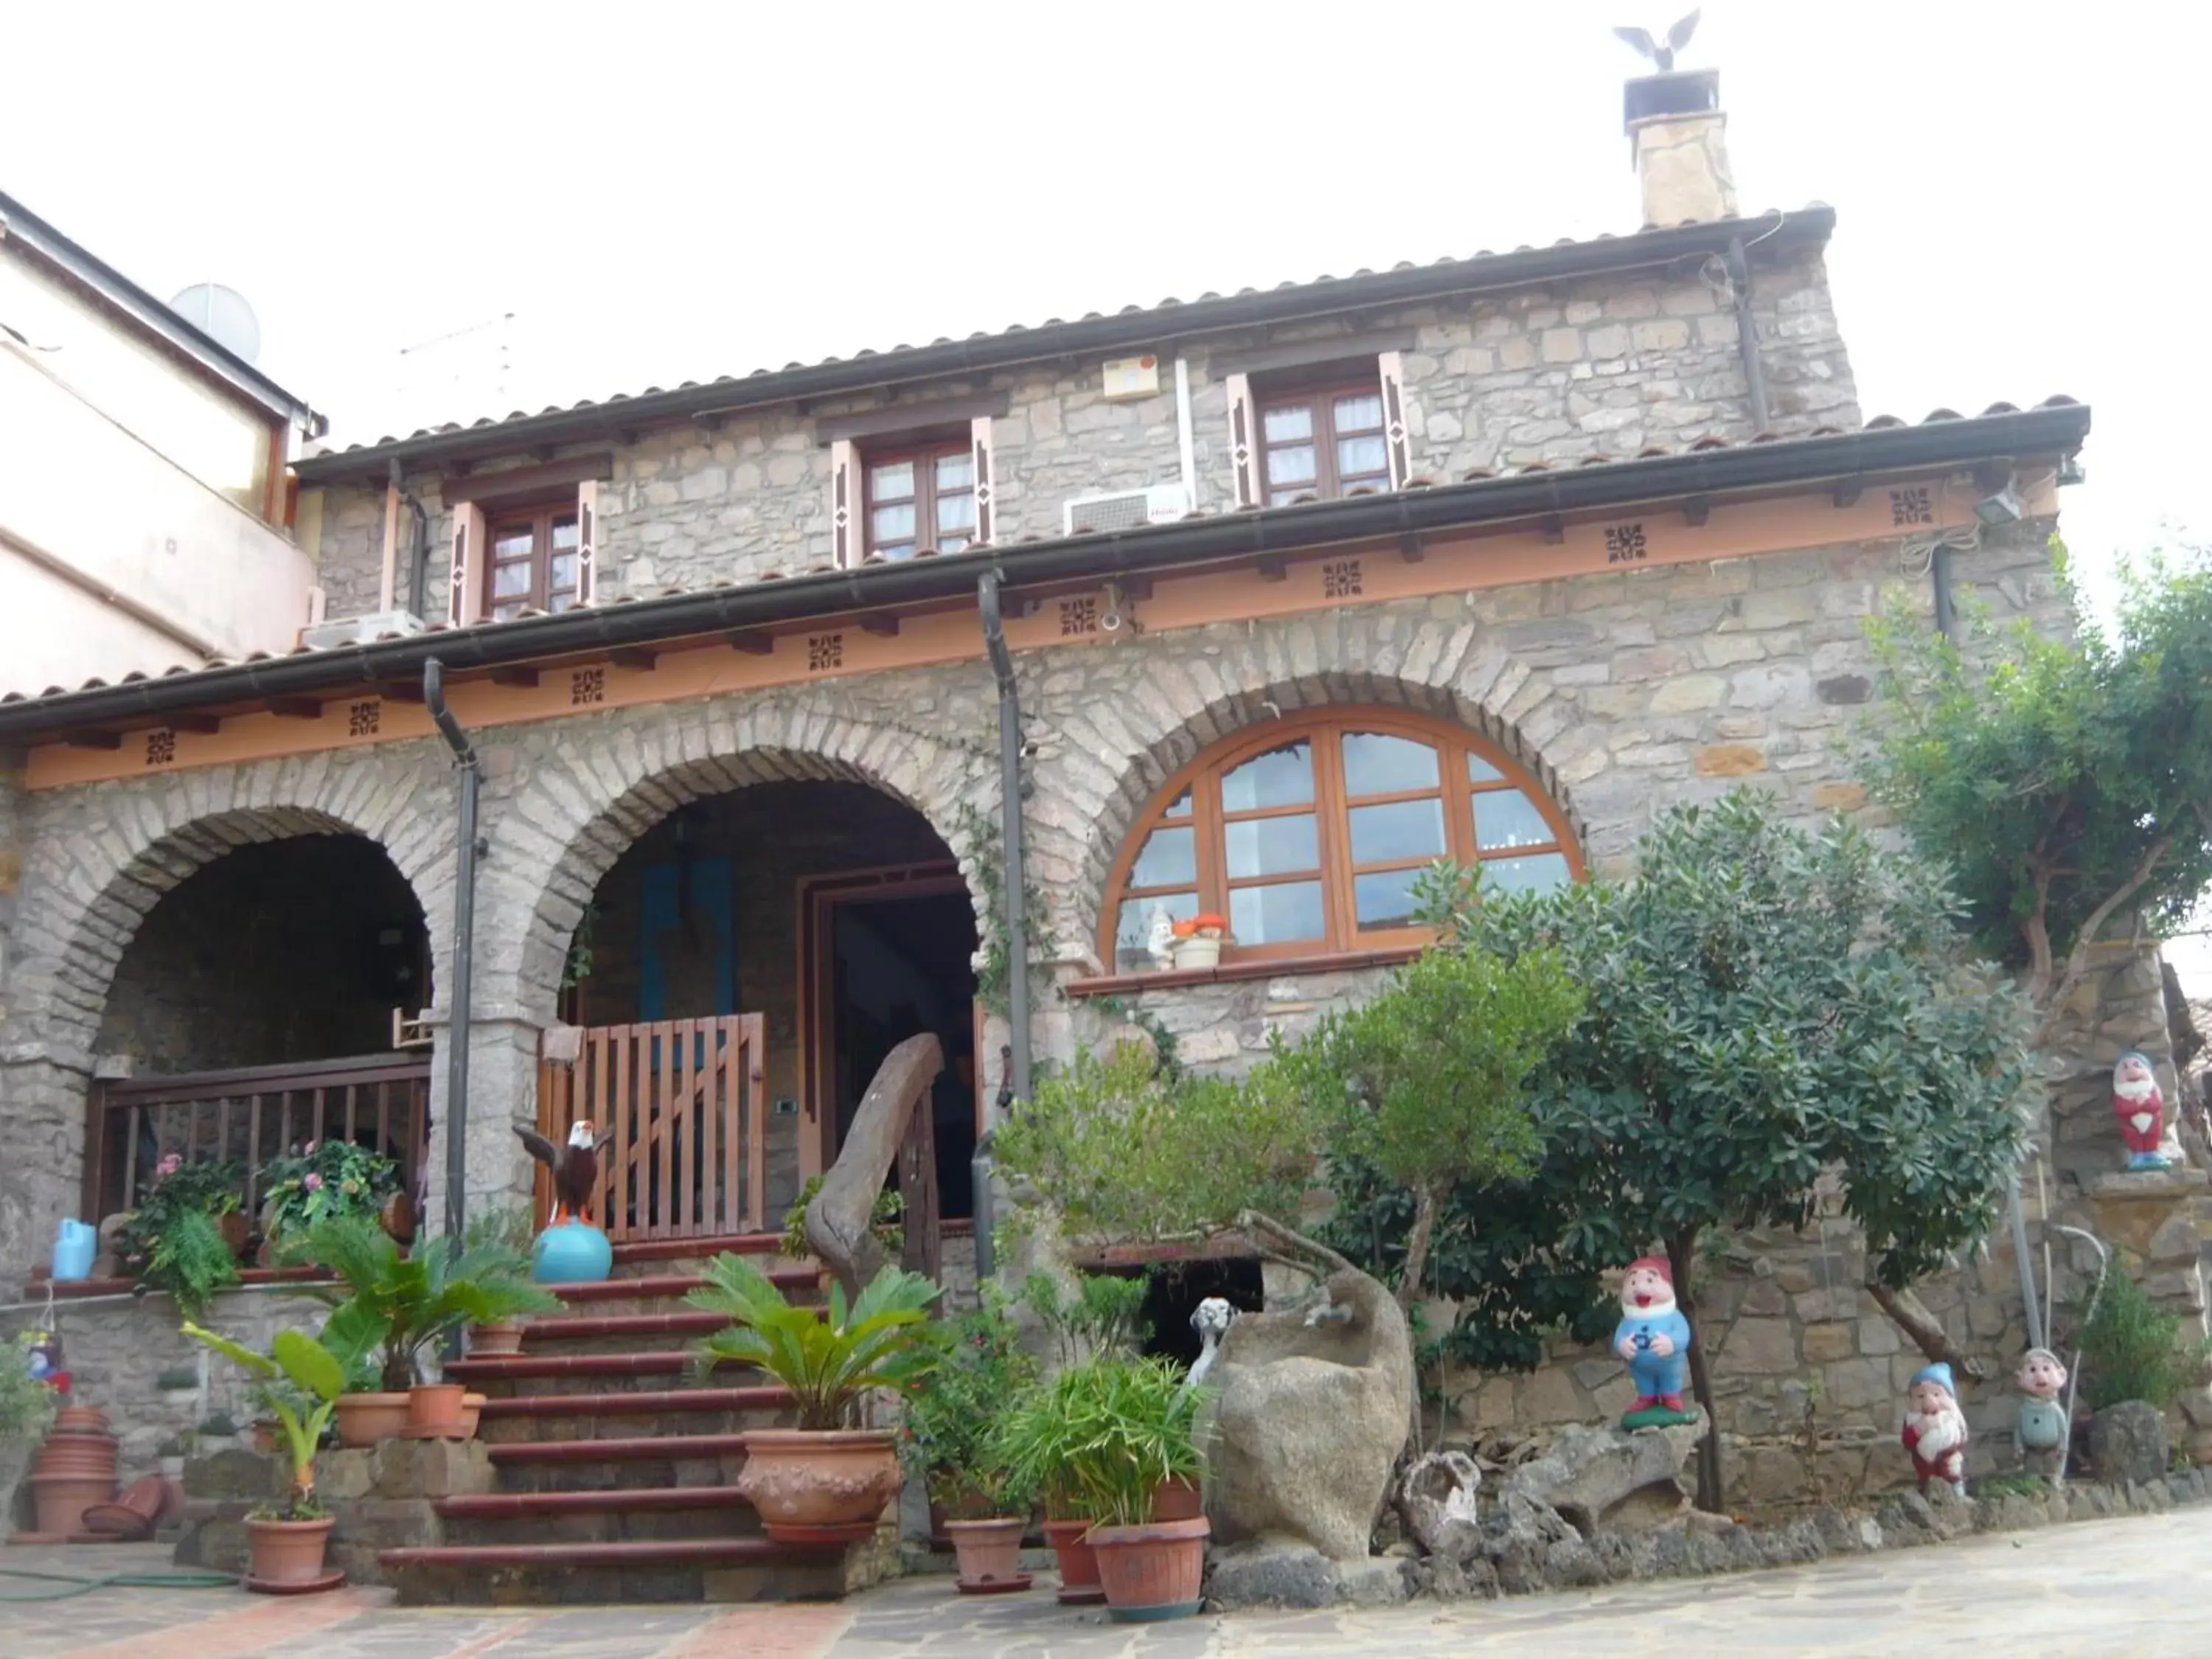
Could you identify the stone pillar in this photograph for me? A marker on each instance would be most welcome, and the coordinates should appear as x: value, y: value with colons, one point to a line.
x: 502, y: 1094
x: 1677, y: 134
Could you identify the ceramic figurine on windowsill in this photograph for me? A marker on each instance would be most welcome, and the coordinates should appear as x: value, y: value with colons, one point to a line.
x: 2140, y: 1109
x: 1160, y: 938
x: 1936, y: 1429
x: 1654, y: 1338
x: 2043, y: 1427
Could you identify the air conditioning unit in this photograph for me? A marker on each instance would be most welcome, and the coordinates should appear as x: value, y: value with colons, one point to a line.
x: 1124, y: 509
x: 359, y: 630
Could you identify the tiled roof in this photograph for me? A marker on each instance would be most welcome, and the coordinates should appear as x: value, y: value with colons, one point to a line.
x: 1169, y: 317
x: 1477, y: 476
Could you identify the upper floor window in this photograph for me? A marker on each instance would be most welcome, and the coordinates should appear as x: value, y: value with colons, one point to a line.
x: 532, y: 561
x: 1324, y: 442
x: 1306, y: 838
x: 923, y: 498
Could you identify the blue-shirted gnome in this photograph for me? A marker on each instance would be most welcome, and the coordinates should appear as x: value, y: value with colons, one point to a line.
x: 1654, y: 1338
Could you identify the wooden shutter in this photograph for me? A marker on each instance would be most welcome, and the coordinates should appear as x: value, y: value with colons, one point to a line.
x: 587, y: 540
x: 466, y: 604
x: 1245, y: 440
x: 1395, y: 435
x: 986, y: 487
x: 847, y: 544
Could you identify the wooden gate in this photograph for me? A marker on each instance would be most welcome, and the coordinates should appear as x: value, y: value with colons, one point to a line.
x: 686, y: 1101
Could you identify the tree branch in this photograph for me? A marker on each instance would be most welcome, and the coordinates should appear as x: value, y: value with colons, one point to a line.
x: 2077, y: 959
x: 1926, y: 1332
x: 1290, y: 1239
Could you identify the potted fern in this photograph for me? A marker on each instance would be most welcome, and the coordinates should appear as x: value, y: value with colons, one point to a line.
x: 827, y: 1480
x: 289, y: 1537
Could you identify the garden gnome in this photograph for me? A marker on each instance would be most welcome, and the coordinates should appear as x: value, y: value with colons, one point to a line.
x: 2043, y: 1427
x: 1160, y: 941
x: 1936, y: 1429
x: 1654, y: 1338
x: 2140, y: 1109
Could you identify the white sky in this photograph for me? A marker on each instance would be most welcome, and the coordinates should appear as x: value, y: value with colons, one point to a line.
x: 664, y: 191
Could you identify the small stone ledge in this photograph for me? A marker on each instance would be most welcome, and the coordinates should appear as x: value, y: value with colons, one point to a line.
x: 2149, y: 1185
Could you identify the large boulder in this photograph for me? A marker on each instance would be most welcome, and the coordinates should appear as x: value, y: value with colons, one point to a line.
x: 2128, y: 1442
x: 1310, y: 1414
x: 1611, y: 1480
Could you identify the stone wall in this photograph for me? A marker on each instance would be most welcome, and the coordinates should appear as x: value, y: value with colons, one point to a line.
x: 1610, y: 364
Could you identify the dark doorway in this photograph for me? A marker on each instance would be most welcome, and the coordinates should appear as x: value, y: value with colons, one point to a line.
x: 1177, y: 1288
x: 899, y: 965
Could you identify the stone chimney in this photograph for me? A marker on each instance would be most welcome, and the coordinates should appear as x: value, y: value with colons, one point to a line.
x: 1677, y: 134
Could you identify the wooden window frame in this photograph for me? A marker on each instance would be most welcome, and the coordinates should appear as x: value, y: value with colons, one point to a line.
x: 924, y: 457
x: 540, y: 517
x: 1324, y: 730
x: 1328, y: 485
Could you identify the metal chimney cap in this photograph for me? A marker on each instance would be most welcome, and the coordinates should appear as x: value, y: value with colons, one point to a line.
x: 1678, y: 93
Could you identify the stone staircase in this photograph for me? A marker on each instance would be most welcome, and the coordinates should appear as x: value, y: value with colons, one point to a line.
x: 616, y: 1466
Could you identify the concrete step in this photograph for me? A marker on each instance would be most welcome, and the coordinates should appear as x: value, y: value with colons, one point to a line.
x: 735, y: 1569
x: 598, y: 1516
x: 644, y: 1258
x: 655, y: 1293
x: 503, y: 1376
x: 642, y: 1412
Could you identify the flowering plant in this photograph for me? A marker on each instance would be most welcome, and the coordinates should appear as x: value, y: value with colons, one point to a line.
x: 172, y: 1241
x: 946, y: 1432
x: 1205, y: 924
x: 323, y: 1178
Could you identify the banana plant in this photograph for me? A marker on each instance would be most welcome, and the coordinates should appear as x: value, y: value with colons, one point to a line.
x: 318, y: 1378
x: 885, y: 1339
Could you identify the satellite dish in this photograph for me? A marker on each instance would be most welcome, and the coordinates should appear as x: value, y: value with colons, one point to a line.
x: 223, y: 316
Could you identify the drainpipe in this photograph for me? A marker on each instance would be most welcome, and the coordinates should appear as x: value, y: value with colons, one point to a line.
x: 1747, y: 334
x: 1947, y: 605
x: 464, y: 928
x: 418, y: 558
x: 1186, y: 435
x: 1017, y: 943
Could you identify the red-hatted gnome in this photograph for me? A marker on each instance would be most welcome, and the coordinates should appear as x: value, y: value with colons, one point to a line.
x: 576, y: 1169
x: 1654, y: 1338
x: 2140, y: 1109
x: 1936, y: 1429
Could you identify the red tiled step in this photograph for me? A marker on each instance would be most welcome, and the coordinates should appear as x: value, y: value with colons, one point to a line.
x: 691, y: 1249
x: 641, y: 1288
x: 692, y: 1322
x: 617, y: 1500
x: 502, y: 1367
x: 645, y: 1402
x: 667, y: 1447
x: 627, y: 1553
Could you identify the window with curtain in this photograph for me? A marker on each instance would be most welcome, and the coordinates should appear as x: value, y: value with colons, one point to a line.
x: 925, y: 498
x: 1306, y: 838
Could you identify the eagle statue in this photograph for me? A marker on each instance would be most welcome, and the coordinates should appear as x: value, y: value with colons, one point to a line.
x: 1662, y: 53
x: 576, y: 1169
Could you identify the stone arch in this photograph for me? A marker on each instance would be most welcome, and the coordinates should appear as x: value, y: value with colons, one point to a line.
x: 603, y: 785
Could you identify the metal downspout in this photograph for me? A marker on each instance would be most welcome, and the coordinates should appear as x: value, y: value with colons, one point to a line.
x: 418, y: 559
x: 1017, y: 943
x: 1747, y: 335
x: 464, y: 928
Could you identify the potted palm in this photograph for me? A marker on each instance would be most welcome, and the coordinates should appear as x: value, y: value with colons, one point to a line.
x: 395, y: 1306
x: 946, y: 1438
x: 827, y: 1480
x: 507, y: 1227
x: 288, y: 1537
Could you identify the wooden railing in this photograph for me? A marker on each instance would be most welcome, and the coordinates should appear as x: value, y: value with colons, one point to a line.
x: 686, y: 1102
x: 253, y: 1115
x: 894, y: 1128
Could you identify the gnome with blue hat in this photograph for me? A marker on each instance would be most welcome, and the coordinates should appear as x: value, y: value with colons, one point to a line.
x: 1936, y: 1429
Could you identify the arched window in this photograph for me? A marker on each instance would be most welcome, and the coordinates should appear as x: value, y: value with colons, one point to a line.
x: 1306, y: 836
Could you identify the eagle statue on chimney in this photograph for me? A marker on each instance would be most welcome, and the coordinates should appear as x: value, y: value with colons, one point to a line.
x: 574, y: 1167
x: 1662, y: 53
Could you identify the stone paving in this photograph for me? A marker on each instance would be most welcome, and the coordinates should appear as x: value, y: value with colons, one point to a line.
x: 2098, y: 1587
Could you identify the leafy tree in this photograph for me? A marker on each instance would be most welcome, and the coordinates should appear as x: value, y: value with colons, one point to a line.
x: 1763, y: 1005
x: 2065, y: 782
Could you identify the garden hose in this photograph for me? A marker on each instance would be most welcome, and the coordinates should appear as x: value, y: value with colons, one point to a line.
x: 79, y: 1584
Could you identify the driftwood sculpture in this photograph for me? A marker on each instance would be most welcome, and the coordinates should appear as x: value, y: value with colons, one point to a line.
x: 839, y: 1222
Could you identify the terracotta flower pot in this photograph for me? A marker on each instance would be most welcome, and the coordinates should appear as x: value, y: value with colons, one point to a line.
x: 287, y: 1552
x: 1151, y: 1572
x: 80, y: 1420
x: 473, y: 1406
x: 236, y: 1230
x: 1177, y: 1500
x: 1078, y: 1563
x: 819, y: 1486
x: 62, y: 1499
x: 990, y: 1554
x: 366, y: 1418
x: 434, y: 1410
x: 505, y: 1337
x: 265, y: 1437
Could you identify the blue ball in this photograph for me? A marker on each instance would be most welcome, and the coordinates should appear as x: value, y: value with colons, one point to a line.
x: 574, y: 1253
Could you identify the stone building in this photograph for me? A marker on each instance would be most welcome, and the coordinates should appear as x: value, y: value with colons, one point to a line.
x: 1302, y: 587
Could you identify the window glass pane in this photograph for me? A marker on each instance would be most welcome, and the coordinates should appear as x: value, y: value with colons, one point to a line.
x: 564, y: 533
x: 891, y: 524
x: 1288, y: 423
x: 1539, y: 874
x: 506, y: 612
x: 508, y: 579
x: 513, y: 542
x: 1281, y: 777
x: 894, y: 551
x: 951, y: 544
x: 955, y: 512
x: 1284, y: 497
x: 956, y: 471
x: 1361, y: 412
x: 1290, y: 466
x: 1275, y: 916
x: 1270, y: 846
x: 564, y: 571
x: 1134, y: 932
x: 1506, y: 818
x: 561, y: 601
x: 1479, y: 770
x: 1403, y: 829
x: 1169, y: 858
x: 1385, y: 900
x: 1357, y: 455
x: 891, y: 483
x: 1179, y: 807
x: 1375, y: 763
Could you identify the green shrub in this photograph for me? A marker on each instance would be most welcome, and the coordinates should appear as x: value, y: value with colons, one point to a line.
x: 27, y: 1405
x: 324, y: 1179
x: 1105, y: 1317
x: 951, y: 1416
x: 2131, y: 1349
x: 190, y: 1260
x: 883, y: 1340
x: 1099, y: 1439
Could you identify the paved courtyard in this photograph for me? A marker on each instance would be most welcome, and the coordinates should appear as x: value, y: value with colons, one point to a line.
x: 2124, y: 1587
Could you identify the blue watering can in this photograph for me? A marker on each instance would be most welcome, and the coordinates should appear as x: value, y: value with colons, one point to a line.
x: 75, y: 1245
